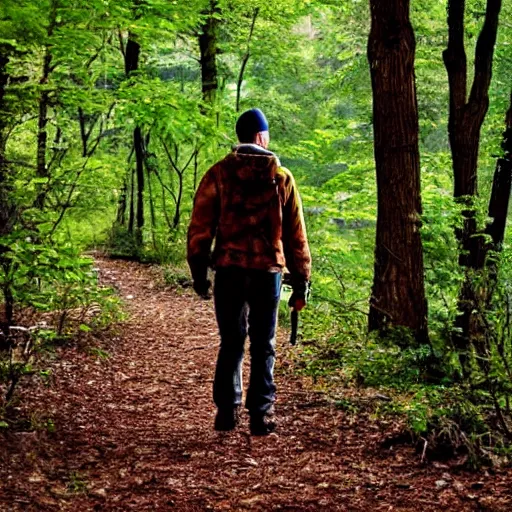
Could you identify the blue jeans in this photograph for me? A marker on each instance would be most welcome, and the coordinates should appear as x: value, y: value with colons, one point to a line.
x: 246, y: 301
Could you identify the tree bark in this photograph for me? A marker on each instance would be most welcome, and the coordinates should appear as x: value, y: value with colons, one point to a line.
x: 132, y: 55
x: 208, y: 47
x: 44, y: 104
x: 245, y: 60
x: 466, y: 116
x: 4, y: 78
x: 501, y: 186
x: 131, y: 216
x: 121, y: 207
x: 8, y: 211
x: 139, y: 159
x: 398, y: 293
x: 475, y: 298
x: 5, y: 208
x: 152, y: 211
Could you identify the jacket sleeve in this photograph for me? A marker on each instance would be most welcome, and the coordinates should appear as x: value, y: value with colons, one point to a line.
x: 295, y: 242
x: 203, y: 226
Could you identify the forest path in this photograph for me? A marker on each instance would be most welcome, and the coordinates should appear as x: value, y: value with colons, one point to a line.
x: 134, y: 432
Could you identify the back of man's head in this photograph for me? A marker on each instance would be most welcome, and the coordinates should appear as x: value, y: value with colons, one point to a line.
x: 249, y: 124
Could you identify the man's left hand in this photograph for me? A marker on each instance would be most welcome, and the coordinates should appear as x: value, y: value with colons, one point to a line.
x: 202, y: 288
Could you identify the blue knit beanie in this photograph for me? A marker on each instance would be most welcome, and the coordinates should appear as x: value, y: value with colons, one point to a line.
x: 250, y: 123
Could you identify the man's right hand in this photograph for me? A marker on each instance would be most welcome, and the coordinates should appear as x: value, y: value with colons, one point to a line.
x: 297, y: 301
x: 298, y: 304
x: 202, y: 288
x: 299, y: 297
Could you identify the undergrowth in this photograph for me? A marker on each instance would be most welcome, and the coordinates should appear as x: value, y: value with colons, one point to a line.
x: 447, y: 411
x: 56, y: 299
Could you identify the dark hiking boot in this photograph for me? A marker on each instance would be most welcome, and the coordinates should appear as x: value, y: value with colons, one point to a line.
x: 262, y: 425
x: 227, y: 419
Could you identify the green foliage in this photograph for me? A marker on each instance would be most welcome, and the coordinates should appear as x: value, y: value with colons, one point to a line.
x: 176, y: 277
x: 56, y: 288
x: 77, y: 483
x: 307, y: 69
x: 49, y: 276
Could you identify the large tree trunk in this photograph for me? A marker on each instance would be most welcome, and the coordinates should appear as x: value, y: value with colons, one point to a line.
x: 398, y: 294
x: 208, y: 48
x: 465, y: 121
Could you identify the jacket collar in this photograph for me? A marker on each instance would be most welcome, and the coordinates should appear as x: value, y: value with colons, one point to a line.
x: 251, y: 149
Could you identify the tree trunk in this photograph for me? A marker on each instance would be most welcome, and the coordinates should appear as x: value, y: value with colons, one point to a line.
x: 480, y: 281
x: 152, y: 211
x: 208, y: 48
x: 464, y: 124
x: 196, y: 168
x: 121, y: 206
x: 467, y: 115
x: 501, y: 185
x: 398, y: 294
x: 4, y: 78
x: 245, y: 60
x: 7, y: 209
x: 177, y: 211
x: 139, y: 159
x: 131, y: 216
x: 132, y: 55
x: 44, y: 103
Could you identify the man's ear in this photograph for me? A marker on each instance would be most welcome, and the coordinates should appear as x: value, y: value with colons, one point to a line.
x: 262, y: 139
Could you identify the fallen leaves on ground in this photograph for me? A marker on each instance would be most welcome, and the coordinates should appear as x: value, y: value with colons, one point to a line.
x: 134, y: 431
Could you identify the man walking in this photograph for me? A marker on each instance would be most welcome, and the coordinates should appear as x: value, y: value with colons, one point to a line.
x: 251, y: 206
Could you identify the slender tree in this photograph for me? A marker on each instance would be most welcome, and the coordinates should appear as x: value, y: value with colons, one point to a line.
x: 464, y: 125
x: 44, y: 104
x: 6, y: 207
x: 245, y: 59
x: 467, y: 114
x: 398, y: 293
x: 208, y: 47
x: 4, y: 79
x: 132, y: 55
x: 500, y: 196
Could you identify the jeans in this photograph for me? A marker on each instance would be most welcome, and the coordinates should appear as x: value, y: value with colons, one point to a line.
x: 246, y: 301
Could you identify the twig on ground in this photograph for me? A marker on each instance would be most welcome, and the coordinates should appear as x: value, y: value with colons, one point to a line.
x: 204, y: 347
x: 424, y: 452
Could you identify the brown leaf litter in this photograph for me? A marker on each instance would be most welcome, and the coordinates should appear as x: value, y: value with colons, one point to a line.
x: 134, y: 432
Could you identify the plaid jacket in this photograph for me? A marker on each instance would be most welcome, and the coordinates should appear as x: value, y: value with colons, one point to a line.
x: 251, y: 206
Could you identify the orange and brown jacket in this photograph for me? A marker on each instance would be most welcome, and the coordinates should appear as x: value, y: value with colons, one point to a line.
x: 250, y: 204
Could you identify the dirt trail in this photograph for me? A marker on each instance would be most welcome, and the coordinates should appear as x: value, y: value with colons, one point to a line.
x: 134, y: 432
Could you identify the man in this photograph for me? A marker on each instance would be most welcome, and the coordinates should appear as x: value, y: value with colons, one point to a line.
x: 251, y: 206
